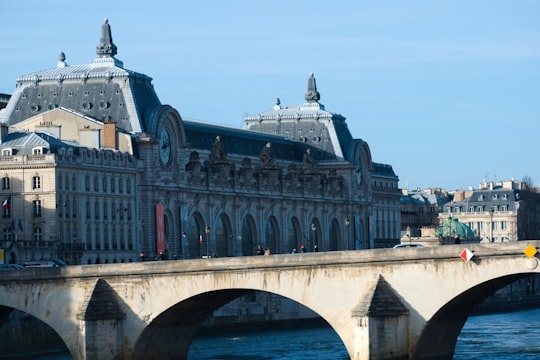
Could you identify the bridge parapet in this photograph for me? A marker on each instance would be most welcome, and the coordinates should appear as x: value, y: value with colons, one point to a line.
x: 143, y: 307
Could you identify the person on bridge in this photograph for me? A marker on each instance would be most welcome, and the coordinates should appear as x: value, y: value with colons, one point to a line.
x: 267, y: 251
x: 302, y: 249
x: 315, y: 248
x: 260, y: 250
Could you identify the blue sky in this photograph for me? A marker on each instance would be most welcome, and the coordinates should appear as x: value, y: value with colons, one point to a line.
x: 447, y: 92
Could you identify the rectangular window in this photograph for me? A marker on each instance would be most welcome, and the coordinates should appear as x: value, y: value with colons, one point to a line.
x: 5, y: 183
x: 36, y: 182
x: 36, y: 206
x: 37, y: 235
x: 471, y: 209
x: 479, y: 225
x: 503, y: 225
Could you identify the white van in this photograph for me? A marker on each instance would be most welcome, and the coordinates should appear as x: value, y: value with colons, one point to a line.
x: 44, y: 263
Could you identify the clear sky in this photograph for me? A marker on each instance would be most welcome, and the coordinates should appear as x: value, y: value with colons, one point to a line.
x: 447, y: 92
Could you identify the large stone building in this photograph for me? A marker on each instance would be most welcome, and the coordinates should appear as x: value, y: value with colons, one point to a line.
x: 95, y: 169
x: 497, y: 212
x: 420, y: 210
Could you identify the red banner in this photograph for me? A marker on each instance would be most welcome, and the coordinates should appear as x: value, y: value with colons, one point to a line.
x: 160, y: 230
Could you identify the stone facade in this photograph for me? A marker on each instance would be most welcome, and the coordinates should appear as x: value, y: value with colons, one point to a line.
x: 497, y: 212
x: 122, y: 177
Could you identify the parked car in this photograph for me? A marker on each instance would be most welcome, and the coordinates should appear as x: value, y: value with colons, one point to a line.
x: 407, y: 245
x: 44, y: 263
x: 11, y: 267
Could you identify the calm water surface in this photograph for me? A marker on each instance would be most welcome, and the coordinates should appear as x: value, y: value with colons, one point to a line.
x: 506, y: 336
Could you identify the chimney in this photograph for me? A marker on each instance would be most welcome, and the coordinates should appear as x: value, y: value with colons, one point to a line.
x: 109, y: 133
x: 3, y: 131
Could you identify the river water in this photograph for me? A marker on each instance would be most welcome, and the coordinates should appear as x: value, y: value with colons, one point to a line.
x: 504, y: 336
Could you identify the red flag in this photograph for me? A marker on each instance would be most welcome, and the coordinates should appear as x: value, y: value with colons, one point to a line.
x: 5, y: 204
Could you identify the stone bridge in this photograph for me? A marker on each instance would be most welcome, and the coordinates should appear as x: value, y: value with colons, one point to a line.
x: 408, y: 303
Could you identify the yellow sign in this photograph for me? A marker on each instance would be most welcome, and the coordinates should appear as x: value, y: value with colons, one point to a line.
x: 1, y: 256
x: 530, y: 251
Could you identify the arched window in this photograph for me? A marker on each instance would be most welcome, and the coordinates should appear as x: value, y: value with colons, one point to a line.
x: 196, y: 237
x: 248, y: 236
x: 223, y: 236
x: 293, y: 235
x: 271, y: 235
x: 335, y: 236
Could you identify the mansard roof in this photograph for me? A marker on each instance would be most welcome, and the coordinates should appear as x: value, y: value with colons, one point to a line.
x: 25, y: 142
x: 101, y: 89
x: 245, y: 143
x: 311, y: 114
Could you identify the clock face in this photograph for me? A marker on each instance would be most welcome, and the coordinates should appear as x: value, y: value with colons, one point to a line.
x: 165, y: 147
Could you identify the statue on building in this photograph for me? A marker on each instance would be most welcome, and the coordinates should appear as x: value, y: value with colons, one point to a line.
x: 310, y: 165
x: 218, y: 153
x: 266, y: 156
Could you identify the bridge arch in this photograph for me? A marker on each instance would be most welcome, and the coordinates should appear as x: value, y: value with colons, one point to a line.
x: 49, y: 336
x: 440, y: 334
x: 171, y: 333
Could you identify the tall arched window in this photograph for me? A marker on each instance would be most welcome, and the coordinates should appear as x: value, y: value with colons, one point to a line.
x: 248, y: 236
x: 271, y: 235
x: 196, y: 237
x: 223, y: 236
x: 293, y: 235
x: 335, y: 237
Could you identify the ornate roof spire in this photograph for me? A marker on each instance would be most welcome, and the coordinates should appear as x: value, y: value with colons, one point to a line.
x: 106, y: 48
x: 312, y: 95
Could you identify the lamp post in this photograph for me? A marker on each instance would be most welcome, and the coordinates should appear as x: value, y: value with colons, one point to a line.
x: 183, y: 241
x: 207, y: 231
x: 347, y: 223
x: 491, y: 211
x: 313, y: 231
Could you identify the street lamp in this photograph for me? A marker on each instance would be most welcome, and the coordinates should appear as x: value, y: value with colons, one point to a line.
x: 207, y: 231
x: 313, y: 230
x: 491, y: 211
x: 347, y: 223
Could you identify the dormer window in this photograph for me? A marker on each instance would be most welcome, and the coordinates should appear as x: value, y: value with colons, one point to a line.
x: 37, y: 151
x: 6, y: 152
x: 480, y: 197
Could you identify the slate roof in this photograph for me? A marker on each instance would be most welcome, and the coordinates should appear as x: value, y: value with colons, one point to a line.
x: 244, y: 142
x: 101, y: 89
x: 23, y: 142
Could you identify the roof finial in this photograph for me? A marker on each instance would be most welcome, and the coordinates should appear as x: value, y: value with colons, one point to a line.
x: 61, y: 60
x: 312, y: 95
x: 106, y: 48
x: 277, y: 104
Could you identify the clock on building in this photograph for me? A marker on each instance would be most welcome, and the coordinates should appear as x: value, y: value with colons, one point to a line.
x: 165, y: 147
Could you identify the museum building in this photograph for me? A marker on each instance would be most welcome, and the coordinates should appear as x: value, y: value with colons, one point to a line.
x: 95, y: 169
